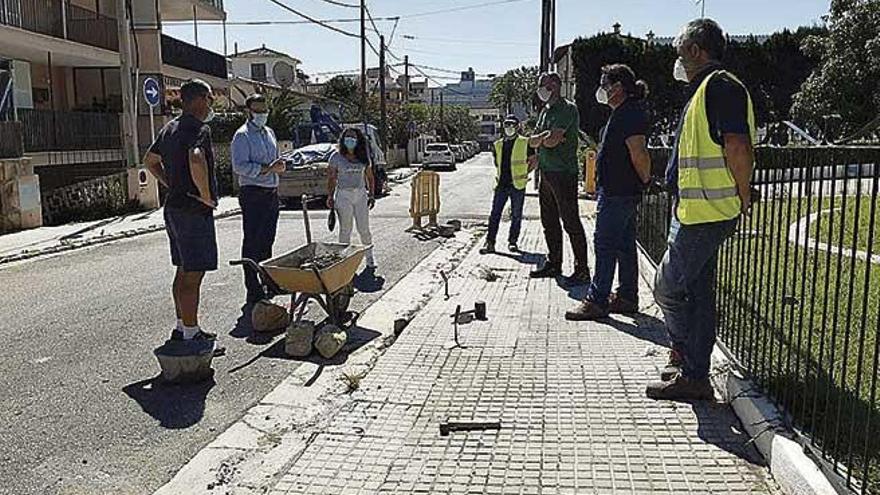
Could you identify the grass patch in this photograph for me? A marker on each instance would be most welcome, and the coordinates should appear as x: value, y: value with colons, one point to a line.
x: 805, y: 323
x: 855, y: 217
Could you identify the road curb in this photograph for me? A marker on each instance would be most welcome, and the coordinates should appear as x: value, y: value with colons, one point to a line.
x: 793, y: 470
x: 251, y: 455
x: 102, y: 239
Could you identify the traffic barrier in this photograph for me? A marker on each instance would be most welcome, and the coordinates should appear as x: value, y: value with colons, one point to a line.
x: 425, y: 199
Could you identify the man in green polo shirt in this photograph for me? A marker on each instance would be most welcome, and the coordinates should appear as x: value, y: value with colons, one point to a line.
x: 556, y: 139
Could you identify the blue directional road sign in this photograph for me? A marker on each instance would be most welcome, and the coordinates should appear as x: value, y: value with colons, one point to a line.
x: 151, y: 91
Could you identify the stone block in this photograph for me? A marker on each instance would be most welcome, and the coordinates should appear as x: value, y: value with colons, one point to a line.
x: 329, y: 340
x: 269, y: 317
x: 298, y: 342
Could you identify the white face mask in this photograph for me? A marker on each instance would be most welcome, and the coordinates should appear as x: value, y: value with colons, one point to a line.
x: 210, y: 116
x: 679, y: 72
x: 260, y: 119
x: 602, y: 95
x: 509, y: 131
x: 544, y: 94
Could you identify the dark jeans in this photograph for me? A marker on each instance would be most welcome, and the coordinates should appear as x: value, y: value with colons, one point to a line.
x: 558, y: 198
x: 517, y: 198
x: 259, y: 213
x: 684, y: 288
x: 615, y: 241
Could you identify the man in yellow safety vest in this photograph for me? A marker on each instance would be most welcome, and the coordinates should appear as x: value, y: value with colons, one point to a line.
x: 514, y: 160
x: 709, y: 172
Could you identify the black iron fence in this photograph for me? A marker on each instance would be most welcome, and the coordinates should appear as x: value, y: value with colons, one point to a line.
x: 186, y: 56
x: 799, y: 297
x: 48, y: 130
x: 48, y: 17
x: 11, y: 142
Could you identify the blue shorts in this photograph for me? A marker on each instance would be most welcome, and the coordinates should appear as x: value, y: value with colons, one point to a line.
x: 193, y: 239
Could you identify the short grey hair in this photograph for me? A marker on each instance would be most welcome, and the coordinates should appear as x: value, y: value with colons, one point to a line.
x: 706, y: 34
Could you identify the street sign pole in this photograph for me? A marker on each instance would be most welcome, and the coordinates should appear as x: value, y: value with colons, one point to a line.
x: 151, y: 96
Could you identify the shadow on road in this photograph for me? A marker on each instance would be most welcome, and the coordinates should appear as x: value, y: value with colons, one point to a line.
x: 646, y: 328
x: 176, y: 407
x: 524, y: 257
x: 367, y: 281
x: 718, y: 425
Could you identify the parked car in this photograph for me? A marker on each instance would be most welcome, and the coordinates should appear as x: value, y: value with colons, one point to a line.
x: 458, y: 151
x: 439, y: 155
x: 474, y: 147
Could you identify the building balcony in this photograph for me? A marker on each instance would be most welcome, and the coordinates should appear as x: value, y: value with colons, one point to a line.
x: 187, y: 10
x: 50, y: 130
x: 190, y: 57
x: 62, y: 20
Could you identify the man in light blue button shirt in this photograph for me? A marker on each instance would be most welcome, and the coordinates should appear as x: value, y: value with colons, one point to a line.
x: 255, y: 160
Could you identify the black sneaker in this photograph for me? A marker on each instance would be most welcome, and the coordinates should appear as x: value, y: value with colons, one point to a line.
x: 512, y: 247
x: 547, y: 271
x: 488, y: 248
x: 202, y: 335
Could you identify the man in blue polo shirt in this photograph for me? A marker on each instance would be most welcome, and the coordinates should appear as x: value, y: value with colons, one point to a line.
x: 182, y: 160
x: 623, y: 167
x: 255, y: 160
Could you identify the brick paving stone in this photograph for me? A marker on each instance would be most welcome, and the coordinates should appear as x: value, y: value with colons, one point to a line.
x: 569, y: 396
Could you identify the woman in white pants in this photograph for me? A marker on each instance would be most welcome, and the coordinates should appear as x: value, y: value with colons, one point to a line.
x: 350, y: 187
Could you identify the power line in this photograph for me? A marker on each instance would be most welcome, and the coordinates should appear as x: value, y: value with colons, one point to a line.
x: 467, y: 41
x: 340, y: 4
x: 459, y: 9
x: 313, y: 20
x: 274, y: 22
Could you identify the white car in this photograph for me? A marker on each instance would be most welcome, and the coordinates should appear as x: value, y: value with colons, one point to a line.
x: 439, y: 155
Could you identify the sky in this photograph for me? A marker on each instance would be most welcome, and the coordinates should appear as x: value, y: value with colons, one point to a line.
x: 492, y: 38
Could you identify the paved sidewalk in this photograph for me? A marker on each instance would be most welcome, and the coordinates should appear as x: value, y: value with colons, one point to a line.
x: 48, y: 240
x: 569, y: 396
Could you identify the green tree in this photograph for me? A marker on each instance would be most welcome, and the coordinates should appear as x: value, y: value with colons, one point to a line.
x: 514, y: 87
x: 847, y: 82
x: 345, y: 91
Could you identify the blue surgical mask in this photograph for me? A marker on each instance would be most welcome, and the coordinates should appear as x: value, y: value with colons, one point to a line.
x: 350, y: 143
x: 260, y: 119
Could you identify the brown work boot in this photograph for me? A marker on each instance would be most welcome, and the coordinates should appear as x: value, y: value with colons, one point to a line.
x: 681, y: 388
x: 673, y: 366
x: 619, y: 305
x: 586, y: 311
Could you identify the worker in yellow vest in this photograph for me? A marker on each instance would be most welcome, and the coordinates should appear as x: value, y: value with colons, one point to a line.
x: 514, y: 161
x: 709, y: 173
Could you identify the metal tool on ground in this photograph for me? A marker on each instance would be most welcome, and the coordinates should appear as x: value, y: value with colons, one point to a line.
x: 445, y: 283
x: 450, y: 426
x: 478, y: 313
x: 305, y: 206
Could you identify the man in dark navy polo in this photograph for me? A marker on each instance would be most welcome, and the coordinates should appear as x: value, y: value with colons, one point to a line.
x: 181, y: 159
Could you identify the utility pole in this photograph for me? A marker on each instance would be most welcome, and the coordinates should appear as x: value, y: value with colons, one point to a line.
x: 363, y: 62
x: 382, y: 110
x: 442, y: 122
x: 406, y: 78
x: 129, y: 108
x: 548, y: 33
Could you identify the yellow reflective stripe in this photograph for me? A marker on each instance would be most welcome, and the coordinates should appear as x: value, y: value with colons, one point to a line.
x: 709, y: 194
x: 703, y: 163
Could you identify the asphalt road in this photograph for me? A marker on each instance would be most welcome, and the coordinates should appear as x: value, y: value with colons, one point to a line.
x: 80, y: 412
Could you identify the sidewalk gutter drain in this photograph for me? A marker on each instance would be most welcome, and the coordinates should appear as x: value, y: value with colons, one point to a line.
x: 451, y: 426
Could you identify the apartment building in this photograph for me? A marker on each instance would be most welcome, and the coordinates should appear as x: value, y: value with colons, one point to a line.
x: 60, y: 77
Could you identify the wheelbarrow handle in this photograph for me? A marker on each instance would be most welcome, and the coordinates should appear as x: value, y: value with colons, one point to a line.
x: 267, y: 281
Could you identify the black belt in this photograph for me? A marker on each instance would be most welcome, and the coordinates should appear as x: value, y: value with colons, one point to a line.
x: 259, y: 189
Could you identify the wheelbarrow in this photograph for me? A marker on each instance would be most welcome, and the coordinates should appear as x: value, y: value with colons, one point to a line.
x: 319, y: 271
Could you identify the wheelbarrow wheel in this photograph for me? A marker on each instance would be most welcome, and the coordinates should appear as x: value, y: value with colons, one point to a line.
x: 340, y: 301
